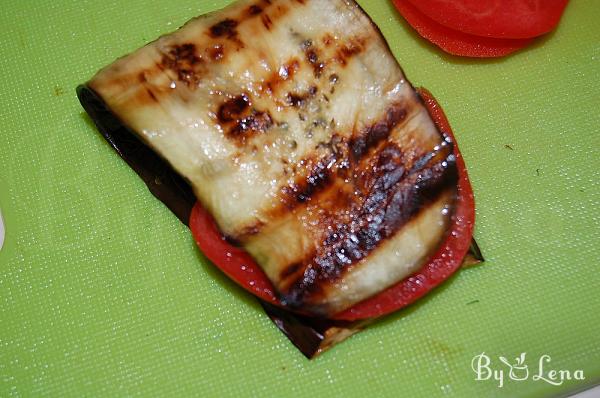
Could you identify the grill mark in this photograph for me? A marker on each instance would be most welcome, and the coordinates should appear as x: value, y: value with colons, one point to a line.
x: 228, y: 27
x: 254, y: 10
x: 151, y: 94
x: 256, y: 122
x: 216, y: 52
x: 252, y: 229
x: 321, y: 175
x: 266, y: 21
x: 349, y: 50
x: 379, y: 131
x: 317, y: 180
x: 233, y: 108
x: 184, y: 61
x: 225, y: 28
x: 393, y: 197
x: 240, y: 120
x: 143, y: 80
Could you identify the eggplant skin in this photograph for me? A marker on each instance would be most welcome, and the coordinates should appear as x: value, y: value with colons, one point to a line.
x: 296, y: 128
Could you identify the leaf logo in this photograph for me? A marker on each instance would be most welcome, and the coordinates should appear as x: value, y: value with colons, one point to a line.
x: 519, y: 371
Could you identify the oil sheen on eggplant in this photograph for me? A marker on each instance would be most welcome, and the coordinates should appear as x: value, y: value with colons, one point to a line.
x: 296, y: 128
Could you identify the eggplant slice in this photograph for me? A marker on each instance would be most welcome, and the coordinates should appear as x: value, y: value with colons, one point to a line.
x: 293, y: 124
x: 296, y: 128
x: 311, y: 335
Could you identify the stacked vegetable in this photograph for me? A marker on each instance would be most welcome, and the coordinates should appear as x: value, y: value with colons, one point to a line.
x: 481, y: 28
x: 241, y: 267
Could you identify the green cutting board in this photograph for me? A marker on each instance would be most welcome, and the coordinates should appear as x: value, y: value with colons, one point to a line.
x: 103, y: 292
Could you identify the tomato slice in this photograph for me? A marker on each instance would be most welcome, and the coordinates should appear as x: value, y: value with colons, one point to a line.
x: 455, y: 42
x: 509, y: 19
x: 239, y: 265
x: 235, y: 262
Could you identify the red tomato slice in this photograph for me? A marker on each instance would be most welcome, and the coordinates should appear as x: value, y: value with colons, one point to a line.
x: 455, y: 42
x: 509, y: 19
x: 235, y: 262
x: 239, y: 266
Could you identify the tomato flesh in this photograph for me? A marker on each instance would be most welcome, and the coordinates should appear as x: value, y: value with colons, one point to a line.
x: 241, y: 267
x: 235, y: 262
x: 456, y: 42
x: 509, y: 19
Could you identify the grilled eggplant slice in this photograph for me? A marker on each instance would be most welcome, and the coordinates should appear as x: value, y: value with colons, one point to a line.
x: 310, y: 335
x: 295, y: 127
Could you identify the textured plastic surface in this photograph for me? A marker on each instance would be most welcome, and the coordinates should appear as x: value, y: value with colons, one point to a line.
x: 103, y: 292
